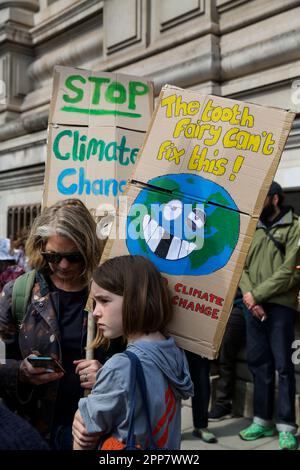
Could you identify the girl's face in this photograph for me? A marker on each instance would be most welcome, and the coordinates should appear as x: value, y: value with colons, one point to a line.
x: 108, y: 311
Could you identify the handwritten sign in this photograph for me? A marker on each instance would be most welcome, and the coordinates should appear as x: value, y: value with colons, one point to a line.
x: 97, y: 124
x: 194, y: 201
x: 100, y: 99
x: 235, y: 144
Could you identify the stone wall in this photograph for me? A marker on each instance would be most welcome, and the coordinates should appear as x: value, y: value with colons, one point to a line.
x: 247, y: 49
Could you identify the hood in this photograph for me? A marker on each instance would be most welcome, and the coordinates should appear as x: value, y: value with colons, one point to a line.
x: 170, y: 360
x: 285, y: 217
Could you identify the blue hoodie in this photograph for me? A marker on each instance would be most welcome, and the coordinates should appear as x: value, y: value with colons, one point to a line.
x: 167, y: 380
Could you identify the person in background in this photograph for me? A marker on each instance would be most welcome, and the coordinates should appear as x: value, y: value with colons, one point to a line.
x: 233, y: 341
x: 270, y: 285
x: 63, y: 249
x: 199, y: 370
x: 10, y: 270
x: 18, y: 246
x: 140, y: 312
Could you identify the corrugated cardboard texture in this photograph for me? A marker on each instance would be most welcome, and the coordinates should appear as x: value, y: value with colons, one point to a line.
x: 240, y: 154
x: 92, y: 164
x: 94, y: 98
x: 97, y: 125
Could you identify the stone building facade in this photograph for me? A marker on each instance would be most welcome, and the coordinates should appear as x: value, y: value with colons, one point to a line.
x: 244, y: 49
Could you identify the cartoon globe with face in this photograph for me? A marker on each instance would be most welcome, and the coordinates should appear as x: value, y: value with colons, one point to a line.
x: 185, y: 224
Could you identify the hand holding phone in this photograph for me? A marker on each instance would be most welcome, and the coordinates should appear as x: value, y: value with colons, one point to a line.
x: 39, y: 370
x: 49, y: 363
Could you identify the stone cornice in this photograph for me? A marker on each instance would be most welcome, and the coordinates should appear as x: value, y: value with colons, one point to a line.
x: 75, y: 13
x: 194, y: 62
x: 29, y: 5
x: 82, y: 47
x: 24, y: 125
x: 22, y: 177
x: 188, y: 72
x: 159, y: 47
x: 23, y: 142
x: 16, y: 34
x: 236, y: 14
x: 278, y: 50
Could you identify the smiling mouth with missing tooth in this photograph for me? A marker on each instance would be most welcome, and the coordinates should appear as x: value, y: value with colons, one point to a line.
x: 164, y: 244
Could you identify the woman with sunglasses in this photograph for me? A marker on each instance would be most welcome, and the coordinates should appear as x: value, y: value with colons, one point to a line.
x: 63, y: 249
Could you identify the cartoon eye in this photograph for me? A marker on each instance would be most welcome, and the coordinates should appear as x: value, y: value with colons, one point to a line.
x: 172, y: 210
x: 196, y: 219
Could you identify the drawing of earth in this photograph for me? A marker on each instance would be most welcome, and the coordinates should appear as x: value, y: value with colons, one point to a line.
x: 185, y: 224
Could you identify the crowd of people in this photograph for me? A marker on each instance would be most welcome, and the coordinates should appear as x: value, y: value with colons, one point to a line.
x: 43, y: 314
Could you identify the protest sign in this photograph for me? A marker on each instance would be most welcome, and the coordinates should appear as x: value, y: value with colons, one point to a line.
x: 97, y: 124
x: 194, y: 200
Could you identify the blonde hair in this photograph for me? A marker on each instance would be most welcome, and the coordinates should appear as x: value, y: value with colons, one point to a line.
x: 69, y: 218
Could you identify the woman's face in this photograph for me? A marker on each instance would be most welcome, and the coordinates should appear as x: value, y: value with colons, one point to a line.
x: 107, y: 312
x: 65, y: 270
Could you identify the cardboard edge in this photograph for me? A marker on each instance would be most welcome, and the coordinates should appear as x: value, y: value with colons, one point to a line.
x: 48, y: 164
x: 54, y: 94
x: 168, y: 86
x: 147, y: 134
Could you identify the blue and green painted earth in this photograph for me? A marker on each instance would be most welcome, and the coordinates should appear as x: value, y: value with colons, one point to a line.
x: 185, y: 224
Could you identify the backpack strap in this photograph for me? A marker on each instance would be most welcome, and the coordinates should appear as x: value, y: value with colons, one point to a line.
x: 280, y: 246
x: 21, y: 294
x: 137, y: 376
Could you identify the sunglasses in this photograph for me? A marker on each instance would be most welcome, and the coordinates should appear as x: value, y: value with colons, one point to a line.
x: 55, y: 257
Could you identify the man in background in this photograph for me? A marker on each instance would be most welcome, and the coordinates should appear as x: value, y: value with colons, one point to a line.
x: 270, y: 285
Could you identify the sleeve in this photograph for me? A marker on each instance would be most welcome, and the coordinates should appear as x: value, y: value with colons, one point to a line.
x: 8, y: 334
x: 106, y: 407
x: 245, y: 284
x: 10, y: 386
x: 287, y: 276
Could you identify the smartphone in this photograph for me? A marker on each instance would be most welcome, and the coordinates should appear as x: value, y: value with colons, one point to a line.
x: 50, y: 364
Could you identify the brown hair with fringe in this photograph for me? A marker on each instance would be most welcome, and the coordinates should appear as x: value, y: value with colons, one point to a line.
x: 146, y: 301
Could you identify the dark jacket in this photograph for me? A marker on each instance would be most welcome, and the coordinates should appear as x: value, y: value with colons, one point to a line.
x: 40, y: 332
x: 17, y: 434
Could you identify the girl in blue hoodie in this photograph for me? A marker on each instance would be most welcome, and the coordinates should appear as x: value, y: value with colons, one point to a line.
x: 131, y: 300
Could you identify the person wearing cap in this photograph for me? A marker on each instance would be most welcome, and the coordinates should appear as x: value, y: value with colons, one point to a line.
x: 270, y: 285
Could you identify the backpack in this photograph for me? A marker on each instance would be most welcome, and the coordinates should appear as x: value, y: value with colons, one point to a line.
x: 21, y: 295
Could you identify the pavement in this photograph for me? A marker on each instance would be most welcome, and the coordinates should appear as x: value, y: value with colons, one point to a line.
x: 226, y: 432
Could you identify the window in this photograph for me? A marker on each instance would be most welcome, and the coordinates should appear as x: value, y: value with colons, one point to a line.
x: 21, y: 217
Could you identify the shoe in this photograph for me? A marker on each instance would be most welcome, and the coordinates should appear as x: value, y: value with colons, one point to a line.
x: 218, y: 413
x: 255, y: 431
x: 287, y: 441
x: 205, y: 435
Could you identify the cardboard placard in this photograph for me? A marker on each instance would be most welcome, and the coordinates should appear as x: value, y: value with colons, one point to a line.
x: 97, y: 125
x: 194, y: 201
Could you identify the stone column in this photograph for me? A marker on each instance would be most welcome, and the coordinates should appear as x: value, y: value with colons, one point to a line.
x: 16, y: 19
